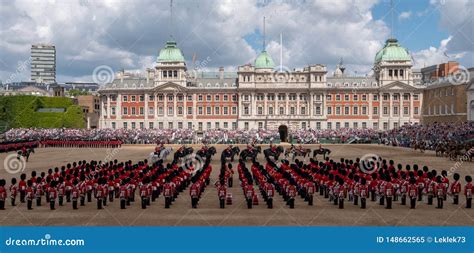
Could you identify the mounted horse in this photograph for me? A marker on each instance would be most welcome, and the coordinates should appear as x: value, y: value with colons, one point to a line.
x: 160, y: 155
x: 180, y: 153
x: 421, y: 145
x: 226, y: 153
x: 206, y: 153
x: 247, y: 153
x: 297, y: 152
x: 321, y: 151
x: 25, y: 153
x: 273, y: 153
x: 441, y: 149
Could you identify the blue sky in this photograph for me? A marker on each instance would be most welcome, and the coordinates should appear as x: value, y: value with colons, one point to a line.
x: 128, y: 34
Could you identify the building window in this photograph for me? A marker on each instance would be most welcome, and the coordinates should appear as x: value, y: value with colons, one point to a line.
x: 260, y: 125
x: 113, y: 125
x: 385, y: 97
x: 338, y: 97
x: 160, y: 125
x: 376, y: 110
x: 217, y: 111
x: 170, y: 110
x: 125, y: 98
x: 364, y: 97
x: 151, y: 125
x: 133, y: 125
x: 329, y: 124
x: 395, y: 97
x: 282, y: 110
x: 346, y: 124
x: 234, y: 97
x: 190, y: 110
x: 200, y: 98
x: 208, y: 98
x: 234, y: 110
x: 270, y: 110
x: 133, y: 98
x: 180, y: 97
x: 226, y: 98
x: 346, y: 97
x: 364, y: 110
x: 142, y: 98
x: 180, y: 110
x: 208, y: 125
x: 226, y: 125
x: 318, y: 125
x: 200, y: 110
x: 170, y: 125
x: 376, y: 97
x: 259, y: 110
x: 356, y: 97
x: 200, y: 126
x: 346, y: 110
x: 355, y: 110
x: 395, y: 110
x: 208, y: 110
x: 303, y: 125
x: 415, y: 97
x: 303, y: 110
x: 125, y: 125
x: 160, y: 110
x: 328, y: 97
x: 246, y: 110
x: 217, y: 125
x: 385, y: 110
x: 406, y: 110
x: 234, y: 125
x: 217, y: 97
x: 246, y: 126
x: 292, y: 110
x: 113, y: 110
x: 142, y: 111
x: 364, y: 125
x: 385, y: 126
x: 329, y: 110
x: 376, y: 125
x: 406, y: 97
x: 338, y: 110
x: 160, y: 97
x: 180, y: 125
x: 338, y: 125
x: 142, y: 125
x: 190, y: 125
x: 134, y: 111
x: 190, y: 97
x: 150, y: 110
x: 170, y: 97
x: 317, y: 110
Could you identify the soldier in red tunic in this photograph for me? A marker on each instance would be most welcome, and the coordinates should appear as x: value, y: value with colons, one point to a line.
x: 99, y: 193
x: 3, y: 194
x: 144, y: 192
x: 440, y: 191
x: 29, y: 192
x: 249, y: 191
x: 194, y: 193
x: 363, y: 192
x: 456, y: 188
x: 270, y: 192
x: 291, y: 195
x: 13, y: 191
x: 412, y: 192
x: 468, y: 190
x: 52, y: 194
x: 222, y: 192
x: 389, y: 191
x: 310, y: 189
x: 123, y: 194
x: 22, y: 187
x: 75, y: 193
x: 168, y: 194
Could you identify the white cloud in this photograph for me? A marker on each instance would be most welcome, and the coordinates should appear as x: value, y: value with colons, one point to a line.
x: 404, y: 15
x: 435, y: 55
x: 129, y: 34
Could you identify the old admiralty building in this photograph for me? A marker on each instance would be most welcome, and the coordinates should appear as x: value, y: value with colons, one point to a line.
x: 259, y: 96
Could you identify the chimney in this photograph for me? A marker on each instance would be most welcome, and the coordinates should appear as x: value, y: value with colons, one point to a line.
x: 221, y: 73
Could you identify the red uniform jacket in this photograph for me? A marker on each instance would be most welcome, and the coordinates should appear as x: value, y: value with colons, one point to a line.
x: 3, y: 193
x: 363, y: 191
x: 456, y: 187
x: 52, y: 193
x: 412, y: 191
x: 29, y: 193
x: 222, y: 191
x: 468, y: 189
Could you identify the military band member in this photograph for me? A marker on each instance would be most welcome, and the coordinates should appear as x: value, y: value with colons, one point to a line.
x: 61, y: 191
x: 291, y: 195
x: 99, y: 194
x: 389, y: 192
x: 194, y: 193
x: 310, y: 189
x: 413, y: 192
x: 403, y: 189
x: 144, y: 193
x: 270, y: 192
x: 75, y: 192
x: 249, y: 192
x: 3, y: 194
x: 38, y: 191
x: 13, y: 191
x: 440, y: 189
x: 168, y: 194
x: 29, y: 192
x: 468, y: 190
x: 22, y: 187
x: 123, y: 194
x: 363, y: 192
x: 456, y: 188
x: 222, y: 192
x: 52, y: 194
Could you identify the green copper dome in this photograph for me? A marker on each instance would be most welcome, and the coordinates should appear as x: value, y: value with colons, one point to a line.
x: 392, y: 51
x: 264, y: 61
x: 171, y: 53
